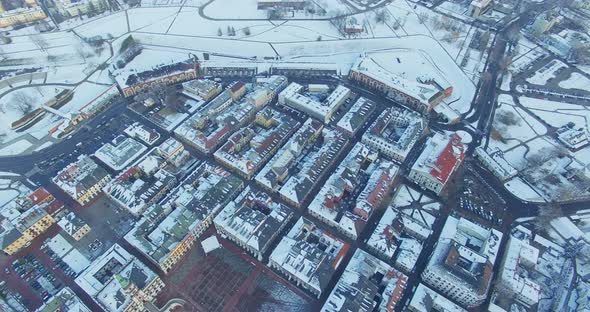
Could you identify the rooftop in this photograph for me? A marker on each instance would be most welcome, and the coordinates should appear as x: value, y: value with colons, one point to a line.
x: 109, y: 277
x: 366, y: 283
x: 253, y: 218
x: 78, y: 177
x: 119, y: 153
x: 441, y: 156
x: 310, y: 254
x: 201, y: 194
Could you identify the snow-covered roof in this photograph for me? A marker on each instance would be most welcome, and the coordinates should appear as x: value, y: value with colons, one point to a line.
x: 357, y: 287
x: 141, y: 132
x: 426, y: 299
x: 134, y: 190
x: 441, y: 157
x: 119, y: 153
x: 408, y: 72
x: 64, y: 300
x: 330, y: 203
x: 76, y: 178
x: 249, y: 148
x: 199, y: 196
x: 292, y: 96
x: 465, y: 255
x: 357, y: 115
x: 108, y: 277
x: 301, y: 255
x: 253, y: 218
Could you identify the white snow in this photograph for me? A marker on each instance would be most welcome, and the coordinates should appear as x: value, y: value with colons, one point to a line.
x: 576, y: 81
x: 15, y: 148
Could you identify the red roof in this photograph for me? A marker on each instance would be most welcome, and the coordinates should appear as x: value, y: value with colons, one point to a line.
x: 39, y: 195
x: 449, y: 159
x: 127, y: 174
x: 54, y: 206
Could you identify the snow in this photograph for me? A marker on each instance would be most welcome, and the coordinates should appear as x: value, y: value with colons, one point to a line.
x: 520, y: 189
x: 576, y: 81
x: 209, y: 244
x: 524, y: 129
x: 7, y: 195
x: 345, y: 52
x: 241, y: 9
x: 566, y: 229
x: 114, y: 25
x: 465, y: 136
x: 8, y: 174
x: 141, y: 18
x: 506, y: 80
x: 15, y: 148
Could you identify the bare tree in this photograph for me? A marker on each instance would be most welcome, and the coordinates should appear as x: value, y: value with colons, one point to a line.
x: 423, y: 17
x: 381, y: 16
x: 40, y: 42
x: 23, y: 102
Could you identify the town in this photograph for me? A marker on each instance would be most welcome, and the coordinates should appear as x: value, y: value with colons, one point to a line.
x: 329, y: 155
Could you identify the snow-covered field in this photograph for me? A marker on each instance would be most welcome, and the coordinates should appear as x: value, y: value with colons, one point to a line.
x: 557, y: 114
x: 576, y: 81
x: 15, y: 148
x: 170, y: 30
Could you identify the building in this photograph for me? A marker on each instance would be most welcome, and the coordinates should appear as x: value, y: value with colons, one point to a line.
x: 21, y: 16
x: 545, y: 21
x: 395, y: 132
x: 142, y: 133
x: 282, y: 4
x: 204, y: 88
x: 367, y: 284
x: 517, y: 273
x: 400, y: 234
x: 209, y: 128
x: 253, y: 221
x: 423, y: 93
x: 308, y: 256
x: 23, y: 219
x: 119, y: 153
x: 168, y: 229
x: 573, y: 138
x: 425, y: 299
x: 224, y: 69
x: 558, y: 45
x: 495, y: 162
x: 276, y: 172
x: 294, y: 187
x: 64, y: 300
x: 250, y: 148
x: 292, y: 97
x: 75, y: 8
x: 462, y: 263
x: 305, y: 70
x: 438, y: 162
x: 356, y: 117
x: 133, y: 82
x: 335, y: 203
x: 479, y: 7
x: 119, y: 282
x: 539, y: 273
x: 82, y: 180
x: 136, y: 190
x: 74, y: 226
